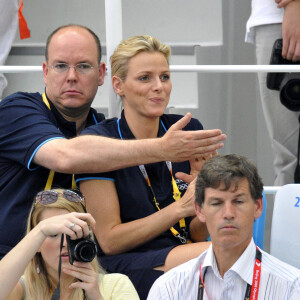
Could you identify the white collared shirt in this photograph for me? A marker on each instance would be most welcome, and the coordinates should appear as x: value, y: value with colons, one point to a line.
x: 279, y: 281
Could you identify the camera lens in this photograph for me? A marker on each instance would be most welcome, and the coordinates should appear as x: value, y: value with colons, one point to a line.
x: 85, y: 251
x: 292, y: 89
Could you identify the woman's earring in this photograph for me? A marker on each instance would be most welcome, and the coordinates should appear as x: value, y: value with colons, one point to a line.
x: 38, y: 270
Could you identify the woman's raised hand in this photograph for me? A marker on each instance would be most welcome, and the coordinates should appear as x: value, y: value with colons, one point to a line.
x: 74, y: 224
x: 88, y: 279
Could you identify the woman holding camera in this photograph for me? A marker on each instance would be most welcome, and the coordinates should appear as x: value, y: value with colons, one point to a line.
x: 43, y: 253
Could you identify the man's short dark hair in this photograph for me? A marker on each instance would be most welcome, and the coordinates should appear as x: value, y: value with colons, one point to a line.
x: 94, y: 35
x: 227, y: 169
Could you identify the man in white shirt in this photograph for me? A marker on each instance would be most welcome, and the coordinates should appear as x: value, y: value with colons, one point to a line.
x: 269, y: 21
x: 228, y: 199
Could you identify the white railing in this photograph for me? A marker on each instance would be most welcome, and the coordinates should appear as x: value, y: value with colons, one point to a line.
x: 193, y: 68
x: 271, y: 190
x: 188, y: 68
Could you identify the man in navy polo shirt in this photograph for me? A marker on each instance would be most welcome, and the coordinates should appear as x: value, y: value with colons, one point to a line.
x: 37, y: 145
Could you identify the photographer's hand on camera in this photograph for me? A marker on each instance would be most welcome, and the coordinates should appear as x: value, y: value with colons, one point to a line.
x: 73, y: 224
x: 291, y: 31
x: 87, y: 279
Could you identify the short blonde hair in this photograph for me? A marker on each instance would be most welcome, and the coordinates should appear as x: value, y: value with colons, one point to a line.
x: 133, y: 46
x: 41, y: 286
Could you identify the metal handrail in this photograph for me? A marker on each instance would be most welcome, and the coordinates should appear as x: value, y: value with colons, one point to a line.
x: 188, y: 68
x: 271, y: 190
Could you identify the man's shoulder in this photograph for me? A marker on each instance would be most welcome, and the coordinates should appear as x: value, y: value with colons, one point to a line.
x: 278, y: 268
x: 23, y: 100
x: 181, y: 281
x: 18, y: 96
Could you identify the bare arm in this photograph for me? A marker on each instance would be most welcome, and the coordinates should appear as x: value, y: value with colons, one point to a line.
x: 198, y: 230
x: 12, y: 266
x: 291, y: 31
x: 117, y: 237
x: 92, y: 154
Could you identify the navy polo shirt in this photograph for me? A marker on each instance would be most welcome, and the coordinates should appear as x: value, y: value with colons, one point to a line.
x: 135, y: 198
x: 26, y: 124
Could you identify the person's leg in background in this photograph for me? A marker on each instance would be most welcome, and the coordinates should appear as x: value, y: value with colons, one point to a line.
x: 282, y: 123
x: 8, y: 27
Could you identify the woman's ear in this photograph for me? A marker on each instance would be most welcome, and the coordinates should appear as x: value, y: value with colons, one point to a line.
x: 117, y: 84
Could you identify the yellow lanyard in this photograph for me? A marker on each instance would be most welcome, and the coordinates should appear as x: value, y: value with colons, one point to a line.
x: 176, y: 195
x: 49, y: 182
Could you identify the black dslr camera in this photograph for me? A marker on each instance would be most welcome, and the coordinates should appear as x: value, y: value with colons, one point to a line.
x: 287, y: 83
x: 83, y: 250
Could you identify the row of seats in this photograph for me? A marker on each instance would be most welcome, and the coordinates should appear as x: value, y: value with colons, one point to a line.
x: 285, y: 235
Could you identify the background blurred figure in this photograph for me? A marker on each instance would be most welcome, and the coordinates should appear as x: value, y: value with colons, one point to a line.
x: 56, y: 212
x: 8, y: 27
x: 268, y: 22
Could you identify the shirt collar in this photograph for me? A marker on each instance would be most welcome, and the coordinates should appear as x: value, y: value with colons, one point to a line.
x: 125, y: 132
x: 240, y: 267
x: 247, y: 259
x: 69, y: 128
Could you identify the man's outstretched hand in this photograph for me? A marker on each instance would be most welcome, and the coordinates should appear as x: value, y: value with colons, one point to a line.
x: 180, y: 145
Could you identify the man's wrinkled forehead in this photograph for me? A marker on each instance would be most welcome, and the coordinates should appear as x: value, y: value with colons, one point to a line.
x: 231, y: 186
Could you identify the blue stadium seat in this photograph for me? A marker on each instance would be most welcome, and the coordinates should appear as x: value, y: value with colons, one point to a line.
x: 259, y: 226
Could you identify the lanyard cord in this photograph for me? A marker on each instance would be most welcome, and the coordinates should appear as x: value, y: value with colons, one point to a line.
x: 182, y: 236
x: 251, y: 291
x: 176, y: 194
x: 49, y: 182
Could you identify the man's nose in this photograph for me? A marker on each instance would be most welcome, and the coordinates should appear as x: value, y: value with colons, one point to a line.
x: 71, y: 73
x: 228, y: 211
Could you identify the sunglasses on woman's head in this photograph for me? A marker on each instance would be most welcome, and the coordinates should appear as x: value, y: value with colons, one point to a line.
x: 51, y: 196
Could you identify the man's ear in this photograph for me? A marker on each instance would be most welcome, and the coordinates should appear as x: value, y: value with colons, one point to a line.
x: 117, y: 84
x: 45, y: 71
x: 199, y: 212
x: 102, y: 71
x: 259, y: 206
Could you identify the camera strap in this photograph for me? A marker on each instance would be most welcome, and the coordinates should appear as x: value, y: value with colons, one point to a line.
x: 56, y: 293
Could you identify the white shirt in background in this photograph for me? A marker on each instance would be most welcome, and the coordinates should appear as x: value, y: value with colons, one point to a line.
x: 279, y: 281
x: 262, y: 12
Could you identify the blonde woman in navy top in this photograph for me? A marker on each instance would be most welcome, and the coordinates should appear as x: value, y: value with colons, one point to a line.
x: 145, y: 214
